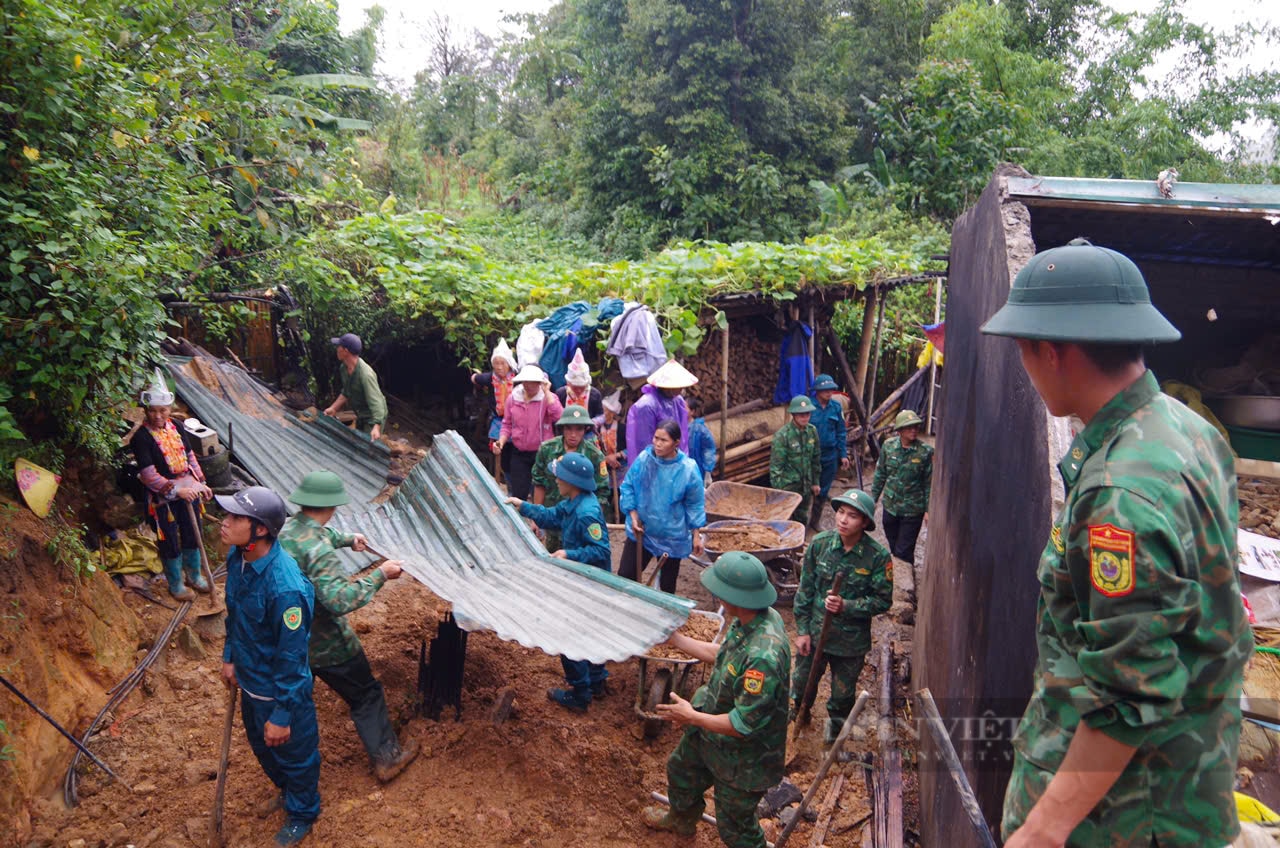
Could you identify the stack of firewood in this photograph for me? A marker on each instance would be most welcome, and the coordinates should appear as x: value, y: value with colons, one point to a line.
x: 1260, y: 506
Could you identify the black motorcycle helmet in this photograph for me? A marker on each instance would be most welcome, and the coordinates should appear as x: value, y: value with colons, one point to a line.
x: 259, y: 503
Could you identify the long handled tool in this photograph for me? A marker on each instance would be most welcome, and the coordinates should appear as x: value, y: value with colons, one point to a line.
x: 815, y: 670
x: 74, y: 741
x: 613, y: 495
x: 836, y: 746
x: 657, y: 569
x: 216, y: 837
x: 943, y: 742
x: 204, y: 563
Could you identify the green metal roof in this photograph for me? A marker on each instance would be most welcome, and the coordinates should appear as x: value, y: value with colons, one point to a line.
x: 1228, y: 198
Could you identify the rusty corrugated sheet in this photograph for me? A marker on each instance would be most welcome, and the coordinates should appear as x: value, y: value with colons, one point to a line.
x: 447, y: 522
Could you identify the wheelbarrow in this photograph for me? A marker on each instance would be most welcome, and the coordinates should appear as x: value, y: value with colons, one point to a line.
x: 667, y: 675
x: 782, y: 562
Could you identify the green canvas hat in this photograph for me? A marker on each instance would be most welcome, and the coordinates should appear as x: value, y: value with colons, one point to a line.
x: 860, y: 501
x: 906, y: 418
x: 740, y: 579
x: 320, y: 489
x: 800, y: 404
x: 1081, y: 293
x: 574, y: 414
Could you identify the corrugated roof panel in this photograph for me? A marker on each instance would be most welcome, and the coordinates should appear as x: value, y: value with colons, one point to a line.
x: 1229, y: 198
x: 449, y: 524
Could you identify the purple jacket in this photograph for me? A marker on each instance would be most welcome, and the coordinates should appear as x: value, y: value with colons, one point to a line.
x: 527, y: 424
x: 653, y: 408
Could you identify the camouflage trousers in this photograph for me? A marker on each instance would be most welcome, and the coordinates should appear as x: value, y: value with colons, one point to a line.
x: 844, y: 681
x: 805, y: 492
x: 688, y: 779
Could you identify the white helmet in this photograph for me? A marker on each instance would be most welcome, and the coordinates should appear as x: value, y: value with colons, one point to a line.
x: 157, y: 394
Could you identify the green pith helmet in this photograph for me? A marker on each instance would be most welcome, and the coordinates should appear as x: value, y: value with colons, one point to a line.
x: 824, y: 383
x: 574, y: 414
x: 906, y: 418
x: 1081, y: 293
x: 320, y: 489
x: 860, y: 501
x: 800, y: 404
x: 740, y: 579
x: 575, y: 469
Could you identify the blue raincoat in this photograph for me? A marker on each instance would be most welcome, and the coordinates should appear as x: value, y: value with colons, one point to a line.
x: 670, y: 498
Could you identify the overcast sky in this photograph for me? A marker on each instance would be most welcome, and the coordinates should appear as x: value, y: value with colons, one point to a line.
x: 403, y: 52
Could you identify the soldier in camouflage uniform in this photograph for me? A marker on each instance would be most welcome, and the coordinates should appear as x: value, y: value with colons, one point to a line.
x: 336, y: 655
x: 905, y: 475
x: 867, y: 591
x: 1132, y: 733
x: 573, y: 424
x: 735, y: 735
x: 795, y: 461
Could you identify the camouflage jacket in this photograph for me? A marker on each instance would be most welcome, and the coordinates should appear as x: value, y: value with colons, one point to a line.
x: 553, y: 449
x: 749, y: 682
x: 1140, y: 629
x: 905, y: 476
x: 867, y: 591
x: 794, y: 461
x: 314, y: 547
x: 364, y: 397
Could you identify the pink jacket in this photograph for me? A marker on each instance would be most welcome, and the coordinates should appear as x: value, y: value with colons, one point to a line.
x: 529, y: 423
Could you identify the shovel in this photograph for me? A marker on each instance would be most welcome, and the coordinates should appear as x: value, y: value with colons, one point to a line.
x: 214, y: 608
x: 815, y: 670
x: 216, y: 838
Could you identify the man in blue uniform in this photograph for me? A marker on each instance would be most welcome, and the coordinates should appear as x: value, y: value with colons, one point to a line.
x: 833, y: 439
x: 269, y: 607
x: 586, y: 539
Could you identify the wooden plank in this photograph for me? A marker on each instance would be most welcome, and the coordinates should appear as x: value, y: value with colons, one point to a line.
x: 898, y: 393
x: 886, y: 807
x: 1257, y: 468
x: 875, y: 361
x: 827, y: 812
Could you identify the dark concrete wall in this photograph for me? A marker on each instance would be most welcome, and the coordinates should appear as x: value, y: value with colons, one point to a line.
x: 988, y: 522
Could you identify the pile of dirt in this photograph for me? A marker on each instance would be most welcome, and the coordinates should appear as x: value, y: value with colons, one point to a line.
x: 64, y: 640
x: 747, y: 537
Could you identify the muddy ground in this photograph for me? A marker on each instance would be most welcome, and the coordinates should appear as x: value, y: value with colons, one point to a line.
x: 543, y: 777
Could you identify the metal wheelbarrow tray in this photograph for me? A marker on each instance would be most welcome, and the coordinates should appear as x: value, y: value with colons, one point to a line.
x: 792, y: 533
x: 672, y: 675
x: 727, y: 500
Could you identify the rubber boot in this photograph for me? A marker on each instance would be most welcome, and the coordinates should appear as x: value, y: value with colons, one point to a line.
x: 831, y: 730
x: 815, y: 515
x: 173, y: 574
x: 192, y: 571
x: 292, y: 833
x: 661, y: 818
x: 571, y: 699
x: 387, y: 769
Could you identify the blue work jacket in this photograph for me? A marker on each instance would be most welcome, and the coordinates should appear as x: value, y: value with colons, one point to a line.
x: 833, y: 439
x: 269, y: 607
x: 581, y: 526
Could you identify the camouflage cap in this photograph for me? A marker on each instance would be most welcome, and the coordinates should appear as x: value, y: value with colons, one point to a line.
x: 1081, y: 293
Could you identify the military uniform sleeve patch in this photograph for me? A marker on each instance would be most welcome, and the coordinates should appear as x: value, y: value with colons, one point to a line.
x: 1056, y: 538
x: 595, y: 532
x: 1111, y: 567
x: 753, y: 681
x: 293, y: 618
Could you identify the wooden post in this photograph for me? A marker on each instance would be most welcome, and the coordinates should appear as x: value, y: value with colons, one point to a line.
x: 933, y: 367
x: 875, y: 362
x: 813, y: 340
x: 855, y: 398
x: 724, y: 395
x: 886, y: 803
x: 864, y: 343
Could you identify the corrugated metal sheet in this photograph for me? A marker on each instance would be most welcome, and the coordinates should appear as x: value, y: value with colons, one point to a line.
x: 447, y: 522
x: 1231, y: 199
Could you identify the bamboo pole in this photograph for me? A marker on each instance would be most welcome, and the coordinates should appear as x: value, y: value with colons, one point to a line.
x: 933, y: 361
x: 813, y: 340
x: 855, y: 397
x: 875, y: 362
x: 724, y: 395
x: 864, y: 342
